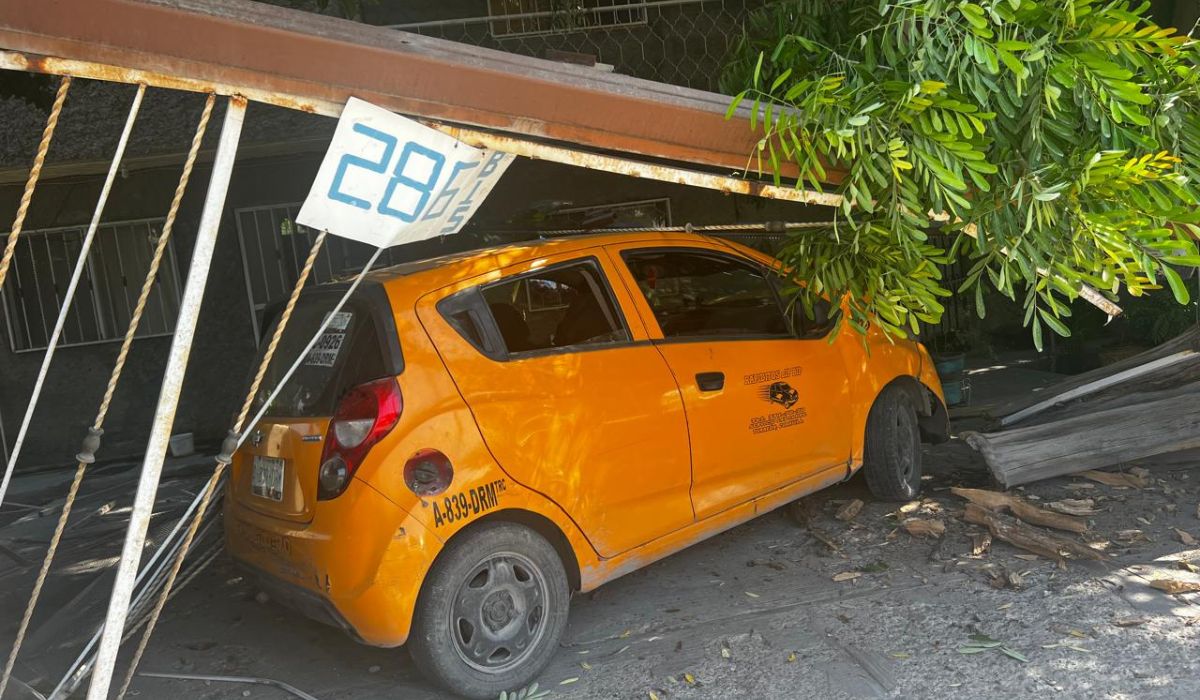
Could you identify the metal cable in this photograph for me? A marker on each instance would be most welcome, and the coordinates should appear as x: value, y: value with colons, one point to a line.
x: 210, y: 485
x: 35, y: 172
x: 770, y: 228
x: 92, y: 441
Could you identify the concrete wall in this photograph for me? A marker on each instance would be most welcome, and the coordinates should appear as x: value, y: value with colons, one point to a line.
x: 225, y: 344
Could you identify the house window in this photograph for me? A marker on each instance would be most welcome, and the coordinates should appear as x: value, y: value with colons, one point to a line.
x: 529, y: 17
x: 274, y: 248
x: 108, y: 289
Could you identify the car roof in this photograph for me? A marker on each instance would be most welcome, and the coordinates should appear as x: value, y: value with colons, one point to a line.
x: 459, y: 266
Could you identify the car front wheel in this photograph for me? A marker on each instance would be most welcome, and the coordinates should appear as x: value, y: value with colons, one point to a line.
x: 892, y: 453
x: 491, y: 611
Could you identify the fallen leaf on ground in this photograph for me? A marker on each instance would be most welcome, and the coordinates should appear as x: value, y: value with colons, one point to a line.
x: 585, y: 666
x: 848, y: 511
x: 847, y: 575
x: 910, y: 507
x: 1188, y: 566
x: 689, y: 679
x: 1074, y: 506
x: 652, y: 695
x: 1144, y: 521
x: 1027, y: 557
x: 1117, y: 479
x: 791, y: 657
x: 899, y: 655
x: 1130, y: 621
x: 568, y: 681
x: 924, y: 528
x: 1185, y: 537
x: 752, y: 595
x: 1175, y: 586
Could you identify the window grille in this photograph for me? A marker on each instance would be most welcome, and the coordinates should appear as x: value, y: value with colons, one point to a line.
x: 109, y: 288
x: 513, y: 18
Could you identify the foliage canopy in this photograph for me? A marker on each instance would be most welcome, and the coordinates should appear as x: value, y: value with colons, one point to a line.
x: 1058, y: 140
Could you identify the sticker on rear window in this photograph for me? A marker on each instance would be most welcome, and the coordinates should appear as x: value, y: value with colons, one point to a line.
x: 325, y: 352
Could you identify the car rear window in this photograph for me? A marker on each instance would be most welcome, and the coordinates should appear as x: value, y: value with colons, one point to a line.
x: 349, y: 352
x: 562, y: 306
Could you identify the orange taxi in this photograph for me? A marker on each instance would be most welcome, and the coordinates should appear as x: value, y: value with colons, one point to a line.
x: 476, y: 437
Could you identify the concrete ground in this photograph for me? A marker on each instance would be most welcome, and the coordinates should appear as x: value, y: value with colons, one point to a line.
x: 771, y: 609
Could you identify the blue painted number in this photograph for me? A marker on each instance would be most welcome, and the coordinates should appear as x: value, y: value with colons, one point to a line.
x: 389, y: 146
x: 399, y: 178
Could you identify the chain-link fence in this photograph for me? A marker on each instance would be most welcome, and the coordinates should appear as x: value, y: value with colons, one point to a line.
x: 680, y: 42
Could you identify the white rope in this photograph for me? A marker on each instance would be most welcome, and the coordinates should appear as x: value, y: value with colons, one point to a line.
x: 69, y: 296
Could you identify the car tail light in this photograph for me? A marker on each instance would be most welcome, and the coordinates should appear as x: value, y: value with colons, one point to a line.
x: 364, y: 416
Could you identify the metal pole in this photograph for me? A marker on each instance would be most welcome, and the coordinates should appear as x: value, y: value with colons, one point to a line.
x: 168, y: 399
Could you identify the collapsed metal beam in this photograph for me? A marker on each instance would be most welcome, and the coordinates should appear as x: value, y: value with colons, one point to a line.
x: 266, y: 49
x: 481, y: 139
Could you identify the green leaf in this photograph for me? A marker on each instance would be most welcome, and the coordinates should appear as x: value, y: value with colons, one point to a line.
x: 737, y: 100
x: 758, y: 69
x: 1178, y: 288
x: 781, y: 79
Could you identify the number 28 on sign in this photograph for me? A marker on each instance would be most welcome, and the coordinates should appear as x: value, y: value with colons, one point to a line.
x: 387, y: 180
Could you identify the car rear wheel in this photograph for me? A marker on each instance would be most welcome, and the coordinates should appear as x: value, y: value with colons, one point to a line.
x: 491, y: 611
x: 892, y: 453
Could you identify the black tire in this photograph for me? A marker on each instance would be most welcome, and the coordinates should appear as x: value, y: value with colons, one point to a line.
x: 892, y: 453
x: 491, y: 611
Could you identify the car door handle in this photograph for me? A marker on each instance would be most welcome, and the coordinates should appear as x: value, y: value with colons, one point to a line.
x: 710, y: 381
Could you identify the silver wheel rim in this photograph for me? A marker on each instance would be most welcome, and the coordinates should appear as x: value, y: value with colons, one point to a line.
x: 498, y: 615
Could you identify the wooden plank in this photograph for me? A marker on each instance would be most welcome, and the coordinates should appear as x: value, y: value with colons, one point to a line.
x: 1158, y: 423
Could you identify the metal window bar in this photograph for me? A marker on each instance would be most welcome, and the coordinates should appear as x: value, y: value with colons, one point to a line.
x: 515, y: 18
x: 32, y: 294
x: 679, y: 42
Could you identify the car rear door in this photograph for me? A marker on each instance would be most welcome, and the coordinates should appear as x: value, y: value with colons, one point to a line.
x: 764, y: 407
x: 572, y: 401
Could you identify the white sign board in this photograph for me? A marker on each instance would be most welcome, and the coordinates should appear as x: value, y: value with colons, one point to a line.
x: 388, y: 180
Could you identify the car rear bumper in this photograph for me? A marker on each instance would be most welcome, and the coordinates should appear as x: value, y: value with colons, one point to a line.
x: 357, y: 566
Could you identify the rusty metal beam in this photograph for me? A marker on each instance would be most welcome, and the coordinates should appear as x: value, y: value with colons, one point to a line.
x: 313, y: 59
x: 522, y: 146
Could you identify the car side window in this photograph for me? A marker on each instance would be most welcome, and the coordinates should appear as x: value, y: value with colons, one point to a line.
x: 561, y: 306
x: 699, y: 294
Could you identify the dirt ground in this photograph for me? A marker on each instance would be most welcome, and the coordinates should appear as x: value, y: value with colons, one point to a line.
x: 769, y: 610
x: 756, y: 613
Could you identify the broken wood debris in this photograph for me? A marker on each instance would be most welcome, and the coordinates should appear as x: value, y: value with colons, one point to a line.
x: 1175, y: 586
x: 918, y: 527
x: 1135, y: 409
x: 1029, y: 538
x: 1080, y: 507
x: 995, y: 500
x: 1115, y: 479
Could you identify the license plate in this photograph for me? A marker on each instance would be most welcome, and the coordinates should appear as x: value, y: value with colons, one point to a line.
x: 266, y: 481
